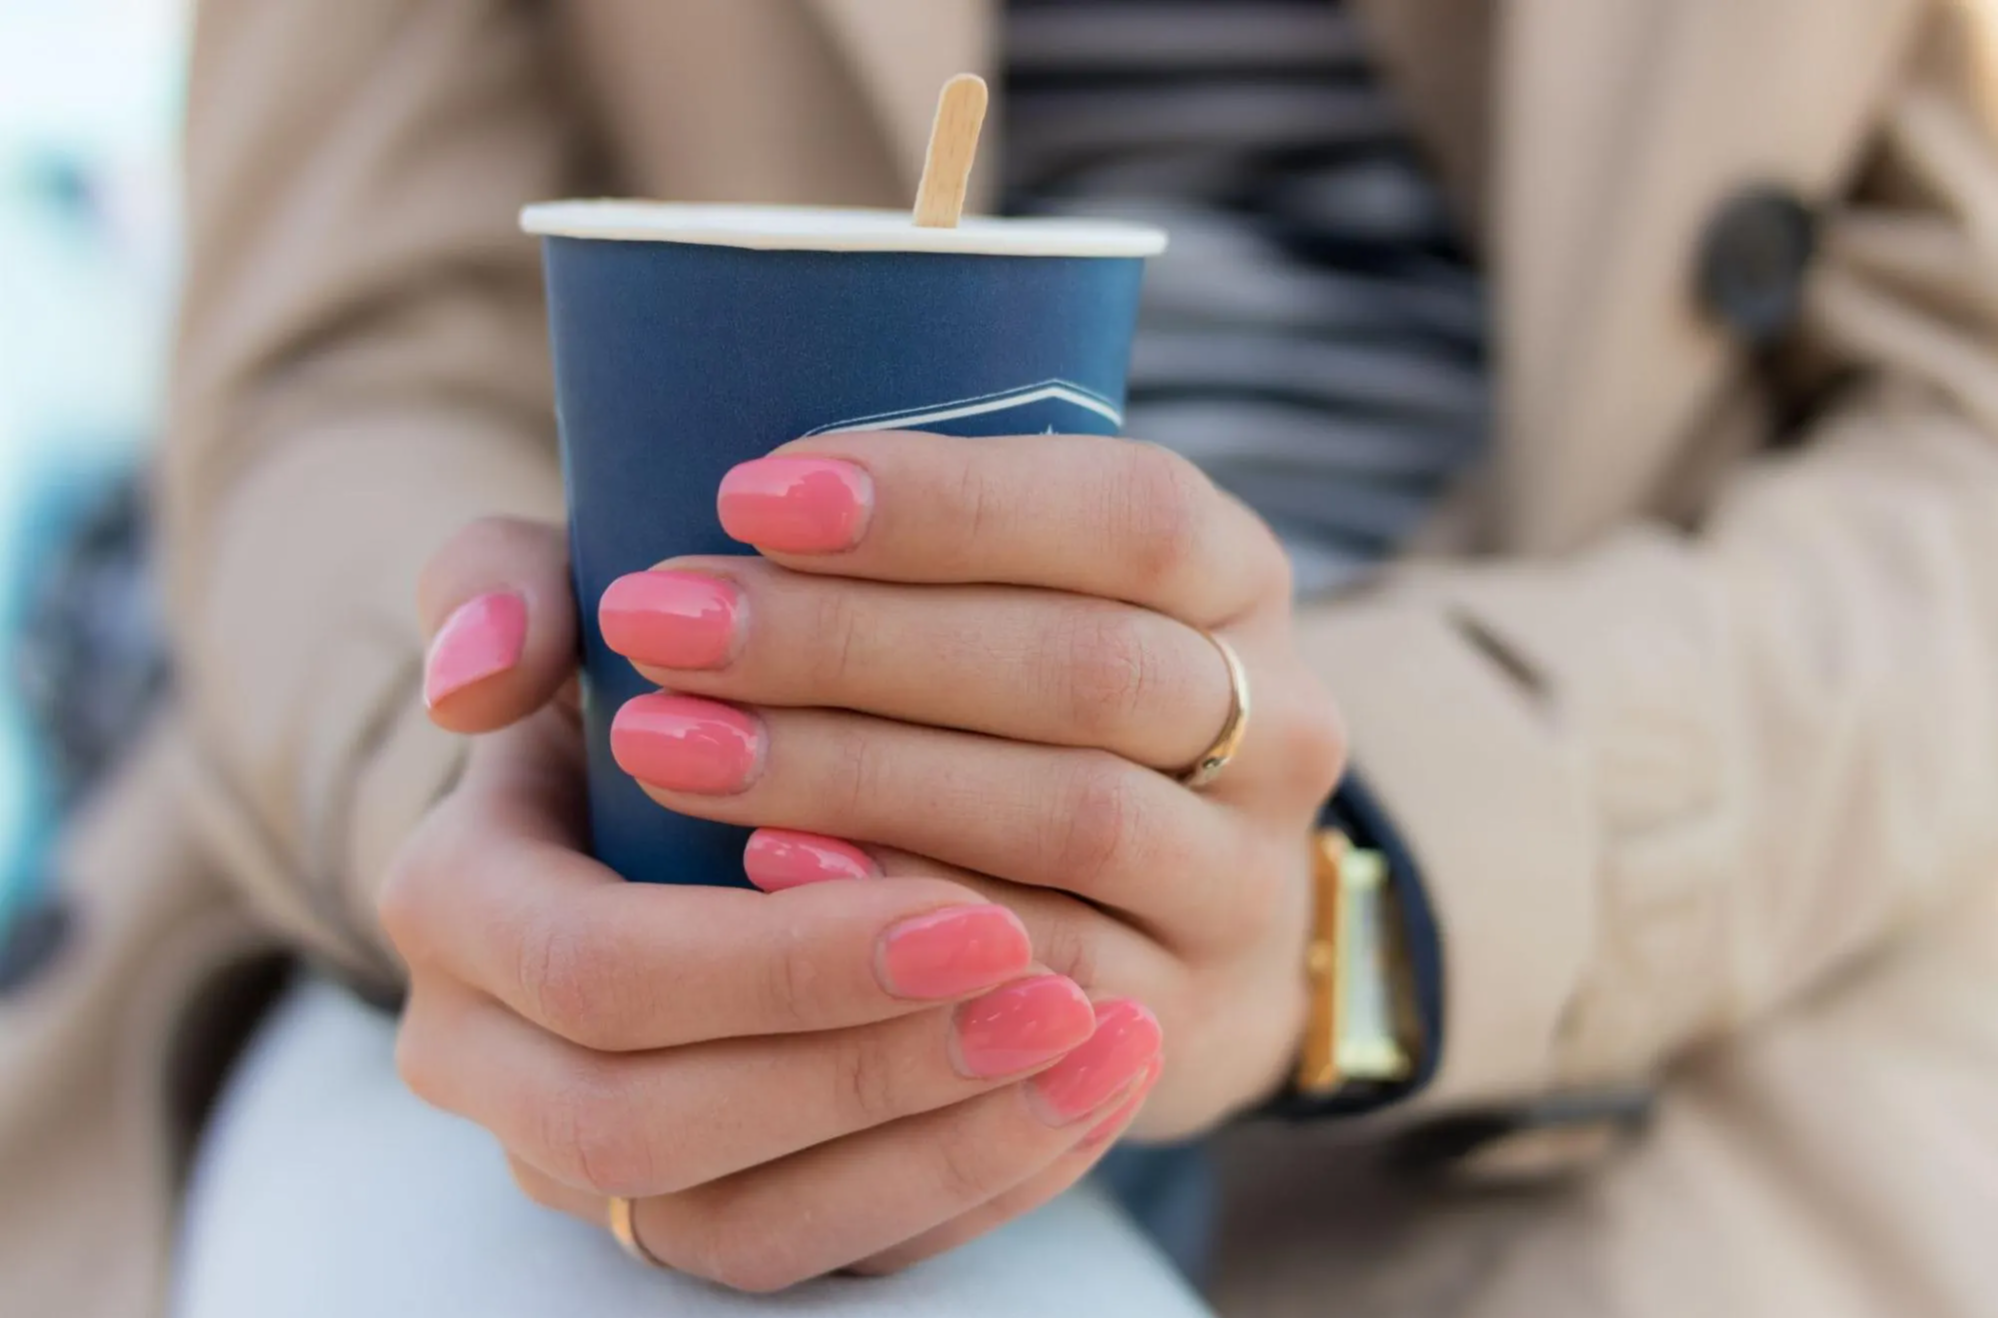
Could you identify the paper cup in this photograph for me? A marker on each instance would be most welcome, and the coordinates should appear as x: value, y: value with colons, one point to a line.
x: 688, y: 339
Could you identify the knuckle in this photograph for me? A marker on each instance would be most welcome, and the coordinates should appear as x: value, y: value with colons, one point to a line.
x: 1108, y: 671
x: 1270, y: 570
x: 1161, y: 510
x: 1101, y: 817
x: 407, y: 900
x: 1313, y: 743
x: 715, y: 1237
x: 790, y: 984
x: 566, y: 976
x: 585, y: 1127
x: 863, y: 777
x: 837, y: 636
x: 399, y: 908
x: 1271, y: 565
x: 1068, y: 948
x: 980, y: 504
x: 966, y: 1171
x: 864, y: 1076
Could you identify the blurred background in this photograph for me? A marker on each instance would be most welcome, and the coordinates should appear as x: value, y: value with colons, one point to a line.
x: 89, y: 109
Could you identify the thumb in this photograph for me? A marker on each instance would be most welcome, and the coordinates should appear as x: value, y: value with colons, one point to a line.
x: 500, y: 621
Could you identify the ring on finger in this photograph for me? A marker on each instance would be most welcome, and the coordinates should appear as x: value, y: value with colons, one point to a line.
x: 1228, y: 741
x: 625, y: 1231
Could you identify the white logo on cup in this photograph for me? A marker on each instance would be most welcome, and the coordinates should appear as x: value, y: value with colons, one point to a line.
x: 1044, y: 405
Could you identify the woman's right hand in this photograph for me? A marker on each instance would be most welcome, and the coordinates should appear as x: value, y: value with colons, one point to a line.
x: 837, y: 1075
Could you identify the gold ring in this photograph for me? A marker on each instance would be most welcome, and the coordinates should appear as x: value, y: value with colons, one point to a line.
x: 1229, y: 740
x: 626, y: 1234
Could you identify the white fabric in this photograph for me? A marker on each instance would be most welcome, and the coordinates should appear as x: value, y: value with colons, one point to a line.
x: 326, y: 1190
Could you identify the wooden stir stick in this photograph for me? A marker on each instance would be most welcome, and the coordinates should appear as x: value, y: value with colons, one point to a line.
x: 954, y: 143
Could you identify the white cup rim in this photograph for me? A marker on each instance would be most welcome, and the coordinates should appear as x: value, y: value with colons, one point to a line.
x: 836, y: 229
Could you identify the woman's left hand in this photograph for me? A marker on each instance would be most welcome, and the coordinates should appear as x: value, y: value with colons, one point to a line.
x: 986, y: 659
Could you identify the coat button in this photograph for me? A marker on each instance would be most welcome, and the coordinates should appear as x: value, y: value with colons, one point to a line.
x: 1753, y: 257
x: 33, y: 941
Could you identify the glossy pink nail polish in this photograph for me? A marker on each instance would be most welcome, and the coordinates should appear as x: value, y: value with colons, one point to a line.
x: 1127, y: 1039
x: 1024, y: 1024
x: 671, y: 619
x: 1116, y: 1122
x: 796, y: 505
x: 483, y: 636
x: 778, y: 858
x: 681, y: 744
x: 952, y: 952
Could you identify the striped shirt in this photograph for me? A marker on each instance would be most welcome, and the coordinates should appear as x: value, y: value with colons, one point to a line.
x: 1315, y: 335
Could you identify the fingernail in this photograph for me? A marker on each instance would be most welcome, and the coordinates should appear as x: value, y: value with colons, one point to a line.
x: 1126, y: 1040
x: 1118, y: 1120
x: 796, y: 505
x: 952, y: 952
x: 777, y: 858
x: 1022, y: 1025
x: 670, y: 619
x: 483, y: 636
x: 681, y: 744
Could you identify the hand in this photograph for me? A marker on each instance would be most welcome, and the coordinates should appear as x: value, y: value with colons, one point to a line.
x: 984, y: 662
x: 790, y: 1084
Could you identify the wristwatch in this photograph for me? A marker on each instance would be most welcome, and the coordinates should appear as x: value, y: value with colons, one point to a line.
x: 1361, y: 1027
x: 1374, y: 1021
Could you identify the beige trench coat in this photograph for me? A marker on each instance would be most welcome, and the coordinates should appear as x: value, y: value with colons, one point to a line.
x: 1694, y: 739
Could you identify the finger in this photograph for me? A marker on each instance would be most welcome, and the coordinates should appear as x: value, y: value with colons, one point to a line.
x: 1088, y: 514
x: 1080, y: 820
x: 492, y: 894
x: 1031, y: 665
x: 829, y: 1206
x: 1109, y: 956
x: 1071, y: 1167
x: 1071, y: 937
x: 855, y: 1198
x: 499, y: 618
x: 655, y: 1123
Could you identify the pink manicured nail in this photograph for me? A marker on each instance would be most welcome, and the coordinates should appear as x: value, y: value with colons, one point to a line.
x: 777, y: 858
x: 952, y: 952
x: 1024, y: 1024
x: 671, y: 619
x: 1126, y: 1041
x: 681, y: 744
x: 483, y: 636
x: 796, y: 505
x: 1118, y: 1120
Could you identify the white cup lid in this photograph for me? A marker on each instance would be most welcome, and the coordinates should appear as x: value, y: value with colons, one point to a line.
x: 836, y: 229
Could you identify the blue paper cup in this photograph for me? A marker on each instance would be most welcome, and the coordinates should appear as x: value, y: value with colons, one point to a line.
x: 688, y: 339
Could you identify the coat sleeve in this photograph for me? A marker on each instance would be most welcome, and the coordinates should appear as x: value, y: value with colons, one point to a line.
x: 360, y: 370
x: 1661, y: 787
